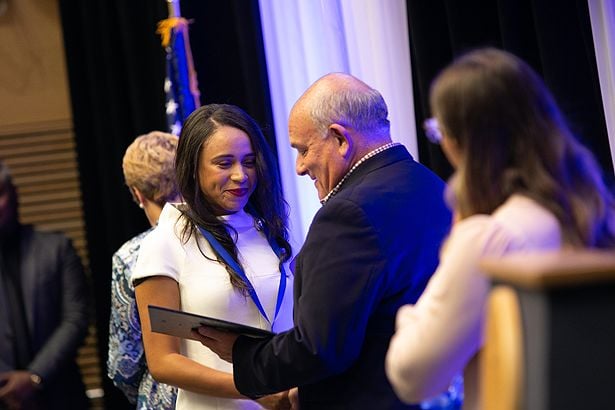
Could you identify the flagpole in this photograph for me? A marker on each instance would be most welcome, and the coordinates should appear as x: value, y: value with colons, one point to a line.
x: 173, y: 6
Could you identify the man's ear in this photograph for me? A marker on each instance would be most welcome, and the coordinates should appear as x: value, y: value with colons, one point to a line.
x: 343, y: 138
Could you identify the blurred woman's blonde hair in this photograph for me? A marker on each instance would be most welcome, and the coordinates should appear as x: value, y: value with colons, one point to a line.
x: 149, y: 166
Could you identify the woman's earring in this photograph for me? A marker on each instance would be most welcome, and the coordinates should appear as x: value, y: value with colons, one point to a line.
x: 258, y: 224
x: 141, y: 205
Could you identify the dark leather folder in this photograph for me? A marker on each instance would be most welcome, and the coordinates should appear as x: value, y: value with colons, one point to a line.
x: 178, y: 323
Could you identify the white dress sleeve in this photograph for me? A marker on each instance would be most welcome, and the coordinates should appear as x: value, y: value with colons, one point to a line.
x: 436, y: 338
x: 161, y: 252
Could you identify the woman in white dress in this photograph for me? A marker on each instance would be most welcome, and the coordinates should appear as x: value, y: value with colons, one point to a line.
x: 522, y: 183
x: 221, y: 253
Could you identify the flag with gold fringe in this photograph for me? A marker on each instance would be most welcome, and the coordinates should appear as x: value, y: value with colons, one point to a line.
x: 180, y: 85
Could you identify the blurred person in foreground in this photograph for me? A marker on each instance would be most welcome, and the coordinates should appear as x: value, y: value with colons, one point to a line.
x: 371, y: 248
x: 149, y: 174
x: 221, y: 254
x: 44, y: 313
x: 522, y: 184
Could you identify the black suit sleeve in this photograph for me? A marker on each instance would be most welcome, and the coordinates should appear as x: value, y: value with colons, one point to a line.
x: 65, y: 339
x: 339, y: 279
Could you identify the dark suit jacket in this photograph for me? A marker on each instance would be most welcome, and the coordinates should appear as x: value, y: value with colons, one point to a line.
x: 369, y: 250
x: 56, y: 303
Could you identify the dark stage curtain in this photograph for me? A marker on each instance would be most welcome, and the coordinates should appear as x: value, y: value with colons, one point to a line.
x: 553, y: 36
x: 116, y: 72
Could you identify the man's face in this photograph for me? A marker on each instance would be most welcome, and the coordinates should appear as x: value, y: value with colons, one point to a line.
x: 318, y: 153
x: 8, y: 207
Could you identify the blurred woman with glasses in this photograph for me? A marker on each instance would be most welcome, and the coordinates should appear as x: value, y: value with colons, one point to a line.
x: 522, y: 183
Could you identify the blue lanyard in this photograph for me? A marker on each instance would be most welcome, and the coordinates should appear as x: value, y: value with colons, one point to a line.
x: 237, y: 268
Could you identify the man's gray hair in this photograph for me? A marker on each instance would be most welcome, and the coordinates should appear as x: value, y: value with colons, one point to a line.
x: 364, y: 111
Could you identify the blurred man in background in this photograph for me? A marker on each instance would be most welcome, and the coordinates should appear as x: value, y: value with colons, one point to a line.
x: 43, y: 312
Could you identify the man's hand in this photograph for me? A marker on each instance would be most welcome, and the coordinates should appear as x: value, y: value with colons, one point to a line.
x: 17, y: 389
x: 278, y: 401
x: 221, y: 343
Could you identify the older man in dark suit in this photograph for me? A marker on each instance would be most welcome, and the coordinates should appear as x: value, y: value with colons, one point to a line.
x: 43, y: 313
x: 370, y: 249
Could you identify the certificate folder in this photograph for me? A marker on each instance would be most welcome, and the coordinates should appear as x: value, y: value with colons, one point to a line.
x: 178, y: 323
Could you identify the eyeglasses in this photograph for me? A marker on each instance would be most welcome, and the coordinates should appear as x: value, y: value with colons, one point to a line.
x: 432, y: 130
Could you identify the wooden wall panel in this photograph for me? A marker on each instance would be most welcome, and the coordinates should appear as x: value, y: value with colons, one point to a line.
x: 33, y: 79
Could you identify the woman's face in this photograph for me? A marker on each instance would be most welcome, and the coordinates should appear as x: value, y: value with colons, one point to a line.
x: 227, y: 170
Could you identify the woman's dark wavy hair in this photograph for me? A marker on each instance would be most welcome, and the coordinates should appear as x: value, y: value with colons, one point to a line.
x: 512, y: 139
x: 266, y: 202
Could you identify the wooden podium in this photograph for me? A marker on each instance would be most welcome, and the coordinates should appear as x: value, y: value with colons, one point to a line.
x: 550, y: 332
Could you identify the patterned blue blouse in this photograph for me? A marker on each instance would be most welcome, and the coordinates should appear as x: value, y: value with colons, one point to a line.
x: 126, y: 364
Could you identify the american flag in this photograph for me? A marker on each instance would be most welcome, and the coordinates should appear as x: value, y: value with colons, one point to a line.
x: 180, y: 84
